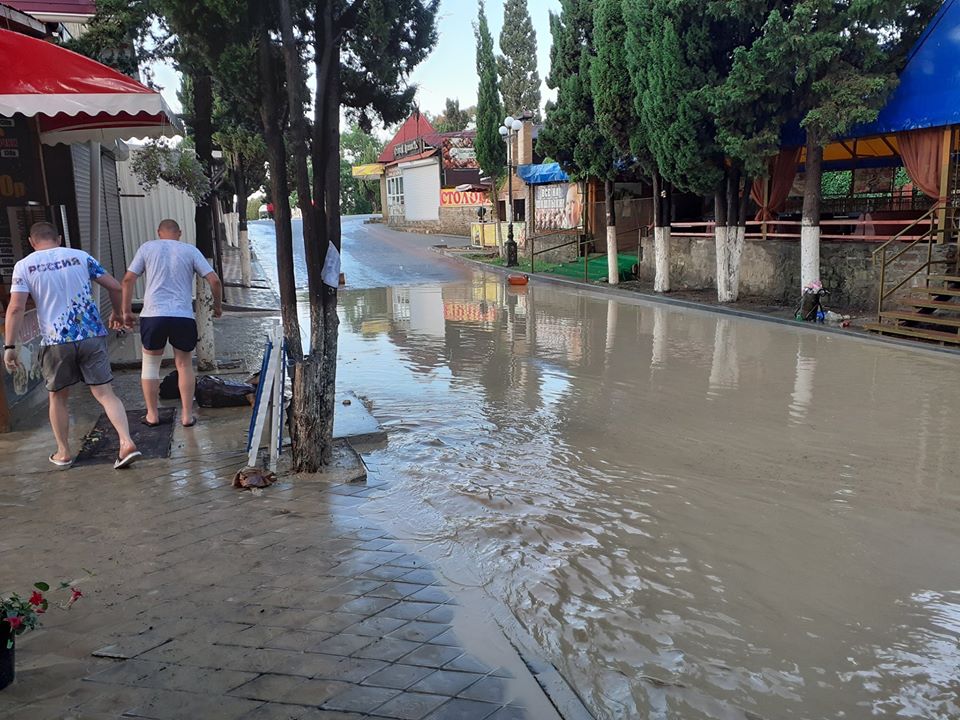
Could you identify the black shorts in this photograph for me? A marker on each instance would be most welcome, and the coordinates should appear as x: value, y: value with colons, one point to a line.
x: 181, y: 332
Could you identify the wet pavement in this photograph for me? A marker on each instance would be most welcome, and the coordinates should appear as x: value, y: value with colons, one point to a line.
x: 690, y: 515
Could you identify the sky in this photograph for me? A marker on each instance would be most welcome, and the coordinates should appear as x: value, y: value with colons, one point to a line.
x: 450, y: 70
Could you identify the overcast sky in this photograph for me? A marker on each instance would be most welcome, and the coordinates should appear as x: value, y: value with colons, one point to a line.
x: 450, y: 70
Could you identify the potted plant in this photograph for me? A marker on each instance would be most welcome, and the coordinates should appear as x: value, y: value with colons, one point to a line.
x: 18, y: 615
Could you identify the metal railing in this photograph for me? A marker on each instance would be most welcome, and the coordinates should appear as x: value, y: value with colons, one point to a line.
x: 582, y: 240
x: 929, y: 236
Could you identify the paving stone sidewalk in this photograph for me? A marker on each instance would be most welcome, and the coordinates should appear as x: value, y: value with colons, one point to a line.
x: 202, y: 601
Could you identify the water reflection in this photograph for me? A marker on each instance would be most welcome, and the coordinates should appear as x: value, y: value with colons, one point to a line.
x: 653, y: 492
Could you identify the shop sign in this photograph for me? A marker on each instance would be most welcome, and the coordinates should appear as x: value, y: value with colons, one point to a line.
x: 558, y: 206
x: 410, y: 147
x: 20, y: 175
x: 456, y: 198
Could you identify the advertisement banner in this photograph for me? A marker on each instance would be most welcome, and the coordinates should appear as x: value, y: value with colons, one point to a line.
x: 456, y: 198
x: 459, y: 154
x: 558, y: 206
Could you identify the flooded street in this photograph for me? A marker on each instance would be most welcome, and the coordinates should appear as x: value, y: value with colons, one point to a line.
x: 693, y: 515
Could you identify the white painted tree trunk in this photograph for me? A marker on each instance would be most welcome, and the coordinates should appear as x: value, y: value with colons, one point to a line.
x: 246, y: 271
x: 206, y: 352
x: 729, y: 241
x: 612, y: 306
x: 809, y: 254
x: 613, y: 267
x: 661, y: 259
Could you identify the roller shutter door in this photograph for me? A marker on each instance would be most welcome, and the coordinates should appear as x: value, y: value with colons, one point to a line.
x: 421, y: 190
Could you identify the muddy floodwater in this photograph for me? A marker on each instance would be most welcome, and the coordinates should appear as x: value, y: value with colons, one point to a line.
x: 692, y: 515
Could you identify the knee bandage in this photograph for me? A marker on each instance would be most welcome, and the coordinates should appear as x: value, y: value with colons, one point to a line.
x: 150, y: 370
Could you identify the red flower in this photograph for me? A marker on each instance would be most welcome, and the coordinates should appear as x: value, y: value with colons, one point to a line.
x: 15, y: 622
x: 36, y: 599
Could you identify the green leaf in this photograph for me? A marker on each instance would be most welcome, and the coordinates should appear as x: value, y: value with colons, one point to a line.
x: 42, y: 586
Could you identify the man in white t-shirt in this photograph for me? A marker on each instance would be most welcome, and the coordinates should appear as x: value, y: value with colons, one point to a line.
x: 73, y: 344
x: 167, y: 315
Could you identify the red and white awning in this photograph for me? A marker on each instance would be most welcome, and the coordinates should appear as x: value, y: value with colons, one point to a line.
x: 74, y: 98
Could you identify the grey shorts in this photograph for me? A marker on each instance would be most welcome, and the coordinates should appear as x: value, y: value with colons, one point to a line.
x: 67, y: 364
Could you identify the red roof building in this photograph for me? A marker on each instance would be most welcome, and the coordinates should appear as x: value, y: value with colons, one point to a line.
x: 412, y: 130
x: 57, y: 11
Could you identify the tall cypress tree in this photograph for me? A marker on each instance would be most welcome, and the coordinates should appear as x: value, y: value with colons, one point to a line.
x: 519, y: 79
x: 571, y: 132
x: 491, y: 151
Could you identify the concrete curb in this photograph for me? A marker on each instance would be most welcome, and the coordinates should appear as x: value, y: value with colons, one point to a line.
x: 644, y: 297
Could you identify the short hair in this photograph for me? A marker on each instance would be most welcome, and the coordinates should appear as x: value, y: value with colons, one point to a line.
x: 44, y: 231
x: 171, y: 226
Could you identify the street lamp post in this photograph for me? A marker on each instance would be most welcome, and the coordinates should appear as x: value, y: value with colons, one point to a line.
x: 508, y: 130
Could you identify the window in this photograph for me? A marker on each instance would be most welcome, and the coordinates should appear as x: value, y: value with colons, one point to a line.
x: 395, y: 190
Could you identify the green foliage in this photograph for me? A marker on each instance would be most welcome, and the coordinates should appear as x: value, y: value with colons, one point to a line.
x: 571, y: 133
x: 121, y: 35
x: 453, y: 118
x: 253, y: 207
x: 517, y: 65
x: 357, y: 147
x: 157, y: 161
x: 491, y: 150
x: 613, y: 92
x: 836, y: 183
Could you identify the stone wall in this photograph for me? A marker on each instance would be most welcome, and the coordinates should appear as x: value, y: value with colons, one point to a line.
x: 771, y: 269
x: 452, y: 221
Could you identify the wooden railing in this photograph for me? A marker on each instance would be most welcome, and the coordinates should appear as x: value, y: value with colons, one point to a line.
x: 926, y: 223
x: 790, y: 229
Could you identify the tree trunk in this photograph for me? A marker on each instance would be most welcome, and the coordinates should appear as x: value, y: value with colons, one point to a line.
x: 810, y: 222
x: 661, y: 236
x: 270, y: 116
x: 613, y: 265
x: 203, y: 215
x: 729, y: 235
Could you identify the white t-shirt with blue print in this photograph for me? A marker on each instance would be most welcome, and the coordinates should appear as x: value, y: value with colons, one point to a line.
x: 58, y: 280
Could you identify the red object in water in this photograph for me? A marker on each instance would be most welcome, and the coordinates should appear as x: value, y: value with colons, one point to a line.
x: 74, y: 98
x: 517, y: 279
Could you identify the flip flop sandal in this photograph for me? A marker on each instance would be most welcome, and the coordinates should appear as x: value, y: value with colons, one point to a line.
x: 125, y: 462
x: 193, y: 421
x: 144, y: 421
x: 60, y: 463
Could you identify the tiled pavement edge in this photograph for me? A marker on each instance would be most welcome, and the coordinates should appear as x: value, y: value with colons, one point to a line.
x: 206, y: 602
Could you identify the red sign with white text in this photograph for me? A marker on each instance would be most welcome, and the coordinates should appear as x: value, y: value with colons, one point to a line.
x: 456, y: 198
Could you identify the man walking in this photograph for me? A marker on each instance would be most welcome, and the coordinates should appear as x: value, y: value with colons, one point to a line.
x: 167, y: 315
x: 73, y: 337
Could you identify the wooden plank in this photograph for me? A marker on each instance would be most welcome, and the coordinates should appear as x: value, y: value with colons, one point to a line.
x: 933, y: 304
x: 945, y: 278
x: 943, y: 337
x: 923, y: 318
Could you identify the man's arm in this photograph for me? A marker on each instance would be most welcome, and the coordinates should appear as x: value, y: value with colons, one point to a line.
x: 129, y: 281
x: 109, y: 283
x: 216, y: 287
x: 11, y: 328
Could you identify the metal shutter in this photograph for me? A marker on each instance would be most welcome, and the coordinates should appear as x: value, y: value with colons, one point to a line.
x: 80, y: 154
x: 421, y: 190
x: 113, y: 223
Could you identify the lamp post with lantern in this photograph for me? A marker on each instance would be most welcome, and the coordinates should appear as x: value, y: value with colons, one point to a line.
x: 508, y: 131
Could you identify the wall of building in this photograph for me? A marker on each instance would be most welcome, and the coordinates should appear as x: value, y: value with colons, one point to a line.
x: 771, y: 269
x: 451, y: 221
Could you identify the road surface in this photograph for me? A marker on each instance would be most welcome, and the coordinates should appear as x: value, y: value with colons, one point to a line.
x: 690, y: 515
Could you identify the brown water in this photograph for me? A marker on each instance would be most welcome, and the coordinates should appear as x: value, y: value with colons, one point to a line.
x: 695, y: 516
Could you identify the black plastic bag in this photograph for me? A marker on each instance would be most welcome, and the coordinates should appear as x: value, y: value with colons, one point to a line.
x: 213, y: 391
x: 169, y: 389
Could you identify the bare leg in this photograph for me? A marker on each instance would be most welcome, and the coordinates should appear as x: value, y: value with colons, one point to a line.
x: 186, y: 380
x: 114, y: 409
x: 60, y: 422
x: 151, y: 392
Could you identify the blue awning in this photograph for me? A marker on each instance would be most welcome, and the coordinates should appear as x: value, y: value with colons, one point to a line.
x: 542, y: 174
x: 928, y: 94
